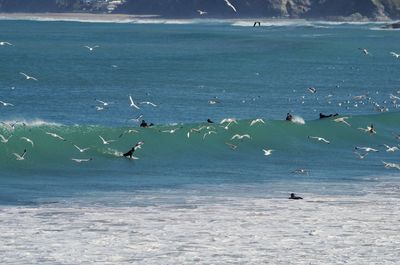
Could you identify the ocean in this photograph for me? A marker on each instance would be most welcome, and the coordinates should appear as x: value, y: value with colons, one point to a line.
x: 195, y: 193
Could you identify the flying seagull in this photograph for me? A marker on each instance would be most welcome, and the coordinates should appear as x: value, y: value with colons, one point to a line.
x: 28, y: 140
x: 3, y: 139
x: 395, y: 55
x: 92, y: 48
x: 256, y: 121
x: 268, y: 152
x: 319, y: 139
x: 106, y: 142
x: 20, y: 157
x: 81, y: 149
x: 133, y: 103
x: 240, y: 137
x: 202, y: 12
x: 148, y: 103
x: 2, y: 43
x: 55, y: 136
x: 343, y: 120
x: 230, y: 5
x: 81, y: 160
x: 5, y: 104
x: 28, y: 77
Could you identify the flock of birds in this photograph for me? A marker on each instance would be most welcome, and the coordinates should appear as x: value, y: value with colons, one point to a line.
x: 210, y: 129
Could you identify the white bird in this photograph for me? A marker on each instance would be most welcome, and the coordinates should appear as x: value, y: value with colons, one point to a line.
x: 361, y: 156
x: 231, y: 146
x: 391, y: 165
x: 240, y: 137
x: 92, y: 48
x: 230, y: 5
x: 365, y: 51
x: 4, y: 140
x: 342, y: 120
x: 148, y: 103
x: 20, y: 157
x: 369, y: 129
x: 319, y: 139
x: 201, y: 12
x: 395, y: 55
x: 2, y: 43
x: 256, y: 121
x: 99, y: 108
x: 300, y: 171
x: 133, y: 103
x: 5, y: 104
x: 170, y: 131
x: 55, y: 136
x: 208, y: 133
x: 312, y: 90
x: 268, y: 152
x: 391, y: 149
x: 127, y: 131
x: 366, y: 149
x: 213, y: 101
x: 103, y: 102
x: 81, y: 149
x: 81, y: 160
x: 228, y: 120
x: 106, y: 142
x: 28, y: 77
x: 28, y: 140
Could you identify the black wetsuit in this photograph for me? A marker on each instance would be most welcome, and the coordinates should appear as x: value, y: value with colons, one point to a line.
x: 289, y: 117
x: 293, y: 197
x: 321, y: 116
x: 130, y: 152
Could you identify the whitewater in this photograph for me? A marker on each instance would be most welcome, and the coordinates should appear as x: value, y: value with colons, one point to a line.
x: 196, y: 194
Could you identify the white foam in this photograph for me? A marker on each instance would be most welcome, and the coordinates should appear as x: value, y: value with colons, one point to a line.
x: 297, y: 119
x: 175, y: 227
x: 31, y: 122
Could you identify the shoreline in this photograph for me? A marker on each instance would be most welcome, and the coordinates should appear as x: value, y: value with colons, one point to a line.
x: 131, y: 18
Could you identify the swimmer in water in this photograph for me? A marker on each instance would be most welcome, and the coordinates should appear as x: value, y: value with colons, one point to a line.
x: 294, y: 197
x: 209, y: 121
x: 144, y: 124
x: 321, y: 116
x: 289, y: 117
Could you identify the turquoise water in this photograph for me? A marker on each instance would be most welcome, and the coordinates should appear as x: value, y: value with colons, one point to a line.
x: 252, y: 72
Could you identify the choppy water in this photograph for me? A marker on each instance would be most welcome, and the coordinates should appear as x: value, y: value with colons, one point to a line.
x: 194, y: 199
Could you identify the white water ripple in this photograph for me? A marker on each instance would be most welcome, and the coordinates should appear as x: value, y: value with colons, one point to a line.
x: 206, y: 230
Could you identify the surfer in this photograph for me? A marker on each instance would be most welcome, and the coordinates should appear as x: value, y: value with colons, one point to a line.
x: 371, y: 129
x: 209, y: 121
x: 144, y: 124
x: 294, y: 197
x: 321, y: 116
x: 289, y: 117
x: 130, y: 152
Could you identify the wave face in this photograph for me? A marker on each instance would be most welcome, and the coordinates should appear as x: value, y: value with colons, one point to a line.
x: 207, y: 143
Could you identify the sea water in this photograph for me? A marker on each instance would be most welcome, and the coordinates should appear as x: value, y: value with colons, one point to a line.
x: 198, y: 196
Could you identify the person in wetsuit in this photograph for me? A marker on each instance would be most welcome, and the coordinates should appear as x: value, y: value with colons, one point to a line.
x: 294, y: 197
x: 130, y: 152
x: 144, y: 124
x: 289, y: 117
x: 321, y: 116
x: 209, y: 121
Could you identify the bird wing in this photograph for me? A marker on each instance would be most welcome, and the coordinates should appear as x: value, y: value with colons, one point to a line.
x: 230, y: 5
x: 24, y: 74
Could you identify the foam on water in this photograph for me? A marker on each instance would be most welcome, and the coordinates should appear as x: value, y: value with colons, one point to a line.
x: 190, y: 226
